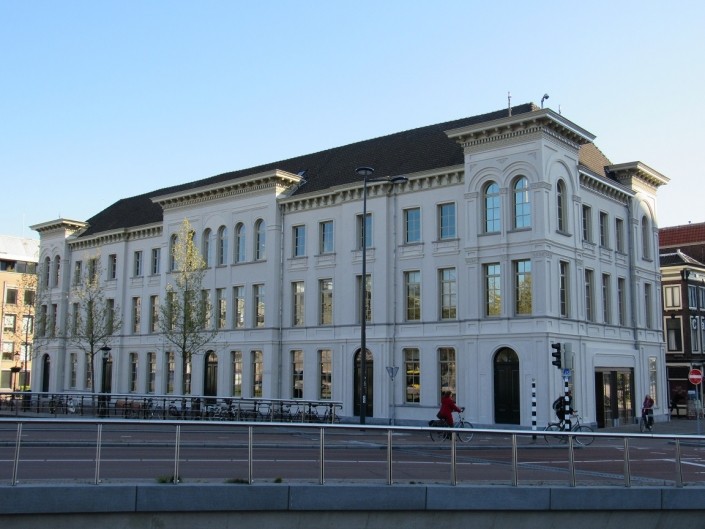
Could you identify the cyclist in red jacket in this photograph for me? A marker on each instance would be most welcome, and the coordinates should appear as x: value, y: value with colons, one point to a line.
x: 448, y: 406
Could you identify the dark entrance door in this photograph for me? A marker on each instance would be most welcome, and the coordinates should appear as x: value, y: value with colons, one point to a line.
x: 46, y: 371
x: 357, y: 384
x: 210, y: 382
x: 614, y: 396
x: 506, y: 388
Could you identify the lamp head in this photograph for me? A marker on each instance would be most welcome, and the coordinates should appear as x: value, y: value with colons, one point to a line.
x: 364, y: 171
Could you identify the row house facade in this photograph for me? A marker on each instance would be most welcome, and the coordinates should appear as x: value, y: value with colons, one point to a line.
x: 18, y: 269
x: 509, y: 232
x: 682, y: 249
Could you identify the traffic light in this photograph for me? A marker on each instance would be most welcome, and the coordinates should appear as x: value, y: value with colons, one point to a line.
x: 557, y: 355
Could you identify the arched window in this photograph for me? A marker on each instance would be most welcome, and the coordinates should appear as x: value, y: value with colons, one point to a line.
x: 57, y: 271
x: 46, y: 273
x: 492, y: 208
x: 172, y: 249
x: 206, y: 246
x: 645, y: 237
x: 222, y: 244
x: 522, y: 206
x: 259, y: 240
x: 560, y: 205
x: 240, y: 243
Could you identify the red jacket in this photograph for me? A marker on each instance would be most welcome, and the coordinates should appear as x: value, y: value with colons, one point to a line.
x: 448, y: 406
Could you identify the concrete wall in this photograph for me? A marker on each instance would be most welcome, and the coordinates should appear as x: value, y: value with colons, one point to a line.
x: 269, y: 506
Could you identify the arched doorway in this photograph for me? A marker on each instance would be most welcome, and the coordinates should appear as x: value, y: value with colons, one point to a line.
x: 46, y: 372
x: 210, y: 375
x: 507, y: 398
x: 357, y: 383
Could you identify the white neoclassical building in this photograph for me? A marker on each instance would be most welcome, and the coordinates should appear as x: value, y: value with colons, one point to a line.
x: 510, y: 232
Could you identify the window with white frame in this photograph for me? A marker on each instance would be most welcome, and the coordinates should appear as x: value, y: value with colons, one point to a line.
x: 73, y: 377
x: 325, y: 363
x: 564, y: 288
x: 258, y: 298
x: 447, y: 369
x: 606, y: 298
x: 492, y: 210
x: 648, y: 305
x: 221, y: 304
x: 326, y: 241
x: 446, y: 221
x: 132, y: 376
x: 561, y: 206
x: 412, y: 225
x: 368, y: 298
x: 587, y: 223
x: 604, y: 230
x: 299, y: 240
x: 645, y: 238
x: 672, y: 296
x: 136, y: 314
x: 412, y: 295
x: 151, y: 372
x: 297, y: 309
x: 236, y: 358
x: 153, y: 314
x: 589, y: 295
x: 240, y: 243
x: 448, y: 291
x: 206, y: 247
x: 156, y: 257
x: 112, y: 266
x: 260, y: 240
x: 622, y: 300
x: 523, y: 299
x: 367, y: 232
x: 493, y: 289
x: 222, y: 246
x: 412, y: 367
x: 619, y: 235
x: 257, y: 370
x: 239, y: 306
x: 325, y: 289
x: 522, y: 203
x: 137, y: 264
x: 674, y: 335
x: 170, y: 372
x: 297, y: 374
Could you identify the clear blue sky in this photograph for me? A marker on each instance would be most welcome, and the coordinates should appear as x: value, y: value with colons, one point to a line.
x: 102, y: 100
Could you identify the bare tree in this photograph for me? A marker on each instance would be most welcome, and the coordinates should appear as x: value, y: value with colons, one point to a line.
x: 185, y: 313
x: 94, y: 319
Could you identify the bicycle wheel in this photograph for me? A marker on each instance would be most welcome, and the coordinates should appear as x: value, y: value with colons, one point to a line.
x: 436, y: 435
x: 465, y: 434
x: 553, y: 439
x: 642, y: 425
x: 584, y: 440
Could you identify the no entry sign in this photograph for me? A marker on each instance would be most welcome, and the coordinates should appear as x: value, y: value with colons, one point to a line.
x: 695, y: 376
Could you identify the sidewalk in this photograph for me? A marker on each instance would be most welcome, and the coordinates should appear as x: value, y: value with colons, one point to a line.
x: 676, y: 426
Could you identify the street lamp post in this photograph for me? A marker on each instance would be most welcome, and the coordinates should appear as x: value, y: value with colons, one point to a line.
x: 365, y: 172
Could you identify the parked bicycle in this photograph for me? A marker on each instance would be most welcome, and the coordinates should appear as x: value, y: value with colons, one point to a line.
x: 461, y: 428
x: 576, y: 426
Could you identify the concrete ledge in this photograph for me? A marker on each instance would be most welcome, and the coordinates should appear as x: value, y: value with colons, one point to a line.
x: 283, y: 498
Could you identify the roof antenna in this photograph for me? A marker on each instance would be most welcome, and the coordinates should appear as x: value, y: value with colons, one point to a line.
x: 545, y: 96
x: 509, y: 102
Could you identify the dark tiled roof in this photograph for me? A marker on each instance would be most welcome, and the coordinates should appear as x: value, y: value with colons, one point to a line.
x: 402, y: 153
x: 678, y: 258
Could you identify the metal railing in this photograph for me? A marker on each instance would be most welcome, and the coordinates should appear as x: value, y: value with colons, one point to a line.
x: 494, y: 456
x: 152, y: 406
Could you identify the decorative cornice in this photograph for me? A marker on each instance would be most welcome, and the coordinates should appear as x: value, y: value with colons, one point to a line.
x: 117, y: 236
x: 602, y: 186
x: 631, y: 173
x: 334, y: 195
x: 66, y: 225
x: 546, y: 122
x: 280, y: 181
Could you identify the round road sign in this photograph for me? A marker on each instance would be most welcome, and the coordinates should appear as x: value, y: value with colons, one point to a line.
x: 695, y: 376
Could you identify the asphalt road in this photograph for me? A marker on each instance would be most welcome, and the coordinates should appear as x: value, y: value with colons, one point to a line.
x: 208, y: 452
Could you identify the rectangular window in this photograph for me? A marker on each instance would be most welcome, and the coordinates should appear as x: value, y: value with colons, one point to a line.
x: 326, y: 237
x: 30, y: 297
x: 325, y: 287
x: 297, y: 374
x: 564, y: 288
x: 672, y: 297
x: 110, y: 314
x: 622, y: 300
x: 75, y: 319
x: 587, y: 223
x: 53, y: 320
x: 493, y: 289
x: 258, y: 298
x: 412, y: 295
x: 136, y: 314
x: 297, y: 309
x: 132, y: 379
x: 653, y: 378
x: 368, y: 298
x: 648, y: 306
x: 207, y: 309
x: 604, y: 230
x: 412, y: 225
x: 137, y: 264
x: 367, y: 232
x: 151, y: 372
x: 92, y: 269
x: 606, y: 299
x: 446, y: 369
x: 74, y: 371
x: 446, y: 221
x: 412, y: 365
x: 694, y: 334
x: 237, y: 373
x: 11, y: 296
x: 77, y: 272
x: 448, y: 293
x: 112, y: 266
x: 674, y: 337
x: 9, y: 322
x: 299, y: 240
x: 257, y: 372
x: 522, y: 287
x: 589, y: 296
x: 89, y: 372
x: 153, y: 314
x: 170, y: 372
x: 221, y: 308
x: 239, y: 305
x: 619, y: 234
x: 156, y: 257
x: 325, y: 361
x: 692, y: 297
